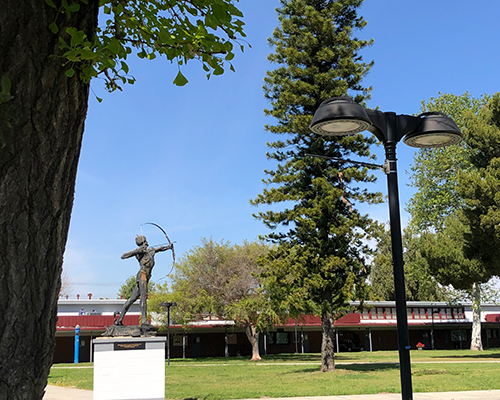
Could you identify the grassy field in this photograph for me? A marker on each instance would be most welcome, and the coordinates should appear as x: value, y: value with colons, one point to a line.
x: 289, y: 375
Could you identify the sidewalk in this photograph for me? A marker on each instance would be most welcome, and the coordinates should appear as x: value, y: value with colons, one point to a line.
x: 64, y: 393
x: 60, y: 393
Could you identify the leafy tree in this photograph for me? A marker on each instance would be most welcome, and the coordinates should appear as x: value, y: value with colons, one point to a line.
x: 446, y: 252
x: 126, y: 289
x: 464, y: 250
x: 420, y: 284
x: 490, y: 293
x: 156, y: 312
x: 221, y: 279
x: 319, y: 264
x: 434, y: 171
x: 65, y: 285
x: 50, y: 50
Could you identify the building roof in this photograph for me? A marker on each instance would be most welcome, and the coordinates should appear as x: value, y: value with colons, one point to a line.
x: 92, y: 322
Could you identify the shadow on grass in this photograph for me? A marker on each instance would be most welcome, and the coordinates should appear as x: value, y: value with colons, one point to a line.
x: 209, y: 360
x: 433, y: 372
x: 354, y: 367
x: 489, y: 353
x: 314, y: 357
x: 369, y: 367
x: 243, y: 359
x: 348, y: 357
x: 292, y: 357
x: 310, y: 370
x: 479, y: 355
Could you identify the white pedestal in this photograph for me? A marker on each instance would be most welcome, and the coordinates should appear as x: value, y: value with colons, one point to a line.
x: 129, y: 368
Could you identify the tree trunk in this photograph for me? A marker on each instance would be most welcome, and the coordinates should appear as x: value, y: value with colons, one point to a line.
x: 253, y: 337
x: 327, y: 343
x: 476, y: 342
x: 42, y: 127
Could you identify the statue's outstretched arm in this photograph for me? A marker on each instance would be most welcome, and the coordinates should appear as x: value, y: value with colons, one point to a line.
x: 133, y: 253
x: 163, y: 248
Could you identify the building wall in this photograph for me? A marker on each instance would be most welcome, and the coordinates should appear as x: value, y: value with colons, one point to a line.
x: 94, y: 307
x: 315, y: 341
x: 492, y: 337
x: 208, y: 338
x: 65, y: 349
x: 384, y: 339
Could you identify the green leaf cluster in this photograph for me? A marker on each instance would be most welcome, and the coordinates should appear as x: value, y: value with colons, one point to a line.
x: 465, y: 249
x: 180, y: 30
x: 457, y: 206
x: 319, y: 264
x: 434, y: 172
x: 129, y: 285
x: 420, y: 284
x: 219, y: 280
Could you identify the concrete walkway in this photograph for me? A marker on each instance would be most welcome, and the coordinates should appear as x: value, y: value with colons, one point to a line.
x: 61, y: 393
x: 64, y: 393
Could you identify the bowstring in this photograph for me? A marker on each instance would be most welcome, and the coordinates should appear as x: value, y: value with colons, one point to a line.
x: 161, y: 244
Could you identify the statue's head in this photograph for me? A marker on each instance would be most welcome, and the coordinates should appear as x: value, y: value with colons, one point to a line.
x: 140, y: 240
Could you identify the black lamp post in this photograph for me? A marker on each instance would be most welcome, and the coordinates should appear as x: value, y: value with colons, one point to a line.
x: 168, y: 304
x: 340, y: 116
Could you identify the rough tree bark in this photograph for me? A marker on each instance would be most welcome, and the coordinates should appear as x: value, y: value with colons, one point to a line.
x: 476, y: 342
x: 42, y: 127
x: 253, y: 337
x: 327, y: 343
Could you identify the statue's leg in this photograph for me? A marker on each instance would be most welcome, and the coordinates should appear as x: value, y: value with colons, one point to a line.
x: 133, y: 297
x: 143, y: 289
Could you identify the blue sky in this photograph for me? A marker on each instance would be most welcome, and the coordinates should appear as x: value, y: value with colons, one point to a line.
x: 191, y: 158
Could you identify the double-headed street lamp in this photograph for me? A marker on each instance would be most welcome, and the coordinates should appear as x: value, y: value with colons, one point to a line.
x: 168, y: 304
x: 340, y: 116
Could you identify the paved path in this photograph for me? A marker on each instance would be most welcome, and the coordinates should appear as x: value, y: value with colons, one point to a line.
x: 64, y: 393
x: 61, y: 393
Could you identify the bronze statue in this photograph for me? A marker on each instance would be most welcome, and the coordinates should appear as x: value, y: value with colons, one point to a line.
x: 146, y: 257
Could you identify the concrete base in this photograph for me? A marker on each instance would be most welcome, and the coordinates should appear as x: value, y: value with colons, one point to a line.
x: 129, y: 368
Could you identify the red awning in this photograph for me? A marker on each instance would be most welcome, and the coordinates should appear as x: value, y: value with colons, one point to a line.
x: 92, y: 322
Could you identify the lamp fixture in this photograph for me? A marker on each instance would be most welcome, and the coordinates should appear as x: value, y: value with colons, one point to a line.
x: 339, y: 116
x: 435, y: 130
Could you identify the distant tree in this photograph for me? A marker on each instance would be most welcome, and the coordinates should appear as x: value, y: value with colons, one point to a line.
x: 446, y: 253
x: 126, y: 289
x: 156, y: 312
x: 464, y: 250
x: 434, y: 172
x: 50, y: 50
x: 490, y: 293
x: 319, y: 263
x: 66, y: 286
x: 420, y: 284
x: 221, y: 280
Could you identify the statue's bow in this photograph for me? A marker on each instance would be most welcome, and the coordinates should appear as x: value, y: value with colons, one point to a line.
x: 165, y: 233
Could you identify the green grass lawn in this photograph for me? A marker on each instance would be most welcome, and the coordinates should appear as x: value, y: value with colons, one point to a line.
x: 289, y: 375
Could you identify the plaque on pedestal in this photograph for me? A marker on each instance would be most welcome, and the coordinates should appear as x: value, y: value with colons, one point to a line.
x: 129, y: 368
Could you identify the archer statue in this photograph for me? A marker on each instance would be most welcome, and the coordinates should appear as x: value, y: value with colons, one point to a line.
x: 146, y: 257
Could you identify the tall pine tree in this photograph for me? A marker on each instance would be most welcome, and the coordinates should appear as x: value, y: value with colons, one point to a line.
x: 420, y: 284
x: 319, y: 264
